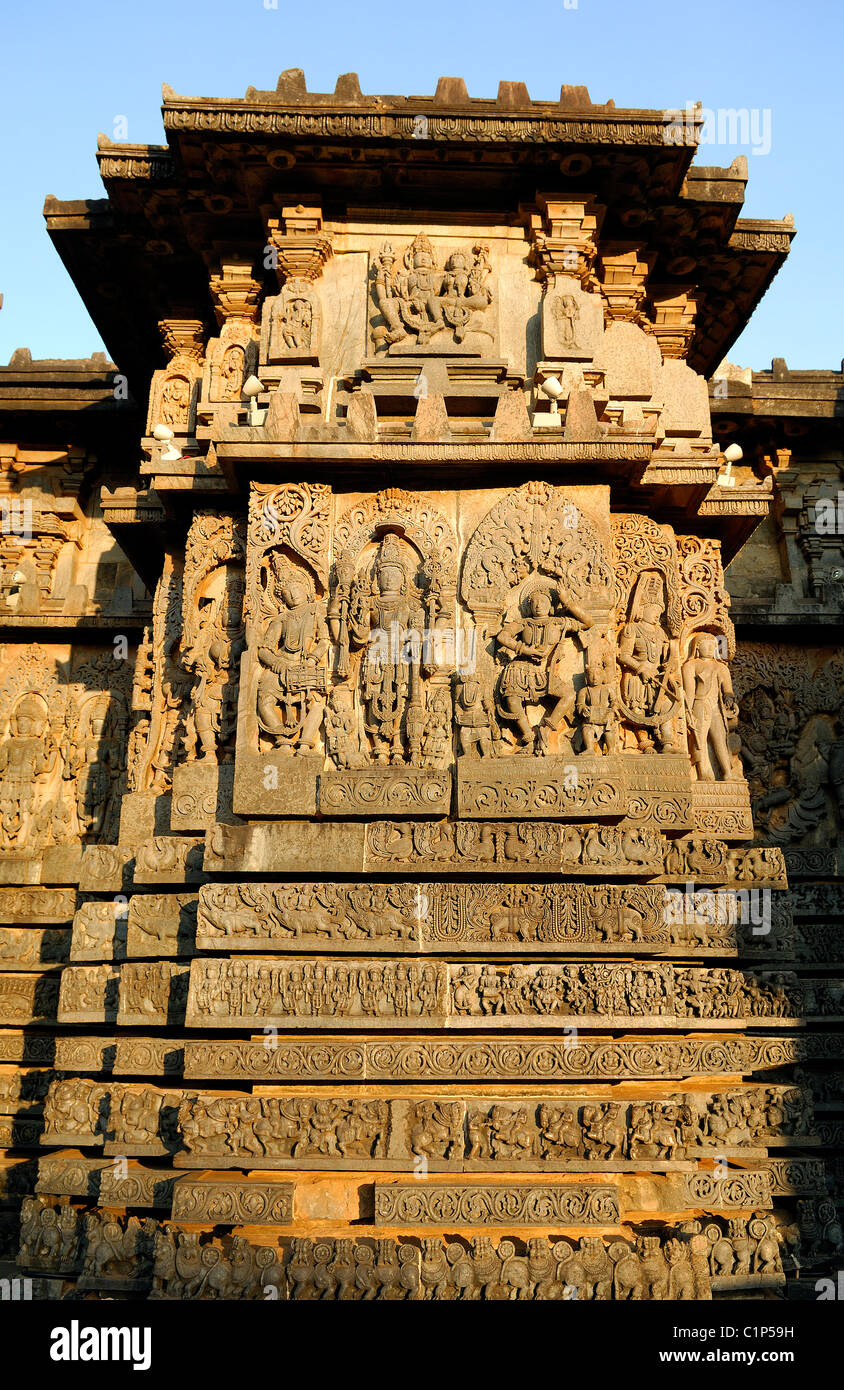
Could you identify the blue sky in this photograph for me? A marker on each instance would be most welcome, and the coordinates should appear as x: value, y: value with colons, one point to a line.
x: 71, y: 70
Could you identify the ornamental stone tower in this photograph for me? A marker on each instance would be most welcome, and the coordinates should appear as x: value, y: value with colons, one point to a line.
x: 386, y: 917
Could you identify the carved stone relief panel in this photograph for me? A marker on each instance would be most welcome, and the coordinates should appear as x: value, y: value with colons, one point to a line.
x: 174, y: 390
x: 64, y: 716
x: 515, y: 1058
x: 212, y: 633
x: 432, y: 299
x: 161, y: 688
x: 302, y: 993
x: 286, y: 665
x: 513, y: 1132
x: 433, y: 916
x: 792, y: 742
x: 291, y: 324
x: 391, y: 618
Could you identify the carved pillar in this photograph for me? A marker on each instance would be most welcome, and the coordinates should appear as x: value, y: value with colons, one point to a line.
x: 673, y: 312
x: 623, y: 270
x: 564, y: 244
x: 232, y: 357
x: 174, y: 389
x: 291, y: 322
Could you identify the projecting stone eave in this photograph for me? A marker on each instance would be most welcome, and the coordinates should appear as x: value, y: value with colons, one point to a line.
x: 777, y: 391
x: 745, y: 268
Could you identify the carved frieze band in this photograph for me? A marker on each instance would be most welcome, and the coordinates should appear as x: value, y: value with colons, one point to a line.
x: 402, y: 1204
x: 688, y: 1262
x: 434, y: 917
x: 489, y: 847
x: 325, y: 1131
x: 573, y: 1058
x: 301, y: 993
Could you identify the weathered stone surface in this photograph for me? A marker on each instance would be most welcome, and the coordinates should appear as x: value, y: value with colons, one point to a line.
x: 236, y: 1203
x: 574, y: 1058
x: 386, y: 794
x: 32, y: 948
x: 397, y: 1204
x: 37, y: 905
x: 30, y: 998
x: 306, y: 993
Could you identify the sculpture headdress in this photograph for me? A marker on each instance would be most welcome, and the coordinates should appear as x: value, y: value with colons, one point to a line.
x: 390, y: 554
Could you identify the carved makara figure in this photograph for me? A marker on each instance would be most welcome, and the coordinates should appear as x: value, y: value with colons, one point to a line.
x: 383, y: 616
x: 530, y: 678
x: 419, y: 300
x: 711, y: 709
x: 650, y: 685
x: 291, y: 651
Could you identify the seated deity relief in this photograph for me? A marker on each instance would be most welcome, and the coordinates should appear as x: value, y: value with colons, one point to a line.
x: 420, y: 307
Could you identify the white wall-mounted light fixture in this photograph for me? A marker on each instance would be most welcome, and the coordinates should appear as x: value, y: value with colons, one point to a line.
x: 252, y: 388
x: 733, y: 454
x: 552, y: 387
x: 164, y: 435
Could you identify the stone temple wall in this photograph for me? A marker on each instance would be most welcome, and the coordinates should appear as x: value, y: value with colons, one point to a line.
x: 420, y: 742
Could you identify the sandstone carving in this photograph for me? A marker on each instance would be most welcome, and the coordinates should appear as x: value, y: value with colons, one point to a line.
x: 421, y: 748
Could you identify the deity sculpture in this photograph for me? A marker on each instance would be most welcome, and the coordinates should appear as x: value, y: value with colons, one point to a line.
x: 597, y: 700
x: 474, y: 715
x: 94, y: 756
x: 530, y: 678
x: 27, y: 756
x: 175, y: 402
x: 566, y: 313
x: 292, y: 681
x: 341, y: 728
x: 385, y: 618
x: 711, y: 708
x: 231, y: 372
x: 422, y: 300
x: 650, y: 694
x: 214, y: 655
x: 295, y: 323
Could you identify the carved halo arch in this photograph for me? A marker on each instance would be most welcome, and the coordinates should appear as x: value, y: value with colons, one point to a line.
x: 537, y: 534
x: 639, y: 545
x: 417, y: 522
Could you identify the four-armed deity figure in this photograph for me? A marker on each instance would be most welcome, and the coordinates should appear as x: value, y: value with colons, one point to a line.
x: 649, y: 682
x: 292, y: 682
x: 420, y: 300
x: 386, y: 619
